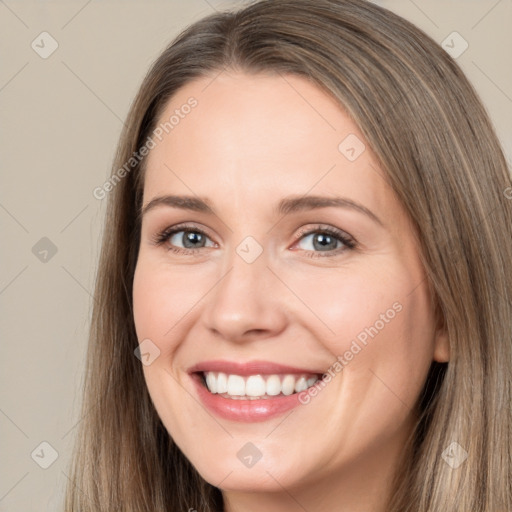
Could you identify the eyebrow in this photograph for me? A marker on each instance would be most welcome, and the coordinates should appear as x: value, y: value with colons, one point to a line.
x: 285, y: 206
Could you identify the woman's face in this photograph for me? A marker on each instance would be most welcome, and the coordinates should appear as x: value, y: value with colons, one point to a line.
x: 296, y: 259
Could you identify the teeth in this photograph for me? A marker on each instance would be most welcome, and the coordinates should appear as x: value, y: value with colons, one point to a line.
x: 211, y: 382
x: 236, y: 385
x: 302, y: 384
x: 288, y: 385
x: 257, y: 386
x: 222, y: 383
x: 311, y: 381
x: 273, y: 385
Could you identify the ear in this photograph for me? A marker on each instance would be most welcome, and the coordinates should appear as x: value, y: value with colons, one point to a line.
x: 441, y: 341
x: 441, y: 346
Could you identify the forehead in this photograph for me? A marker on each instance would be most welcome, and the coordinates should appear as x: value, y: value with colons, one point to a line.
x: 260, y: 134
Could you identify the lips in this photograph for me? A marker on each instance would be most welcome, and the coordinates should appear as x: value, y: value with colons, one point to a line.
x: 251, y: 391
x: 250, y: 368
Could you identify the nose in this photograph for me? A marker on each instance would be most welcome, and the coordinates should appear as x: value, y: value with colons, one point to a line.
x: 247, y: 303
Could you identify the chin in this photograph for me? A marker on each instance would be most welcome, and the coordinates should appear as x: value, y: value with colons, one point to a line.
x: 231, y: 474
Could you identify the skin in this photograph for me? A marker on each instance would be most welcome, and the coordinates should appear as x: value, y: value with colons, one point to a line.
x: 251, y: 141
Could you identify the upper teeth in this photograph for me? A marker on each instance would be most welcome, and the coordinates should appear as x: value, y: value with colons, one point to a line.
x: 257, y: 385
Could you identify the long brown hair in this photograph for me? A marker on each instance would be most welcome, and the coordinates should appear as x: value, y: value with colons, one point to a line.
x: 436, y: 144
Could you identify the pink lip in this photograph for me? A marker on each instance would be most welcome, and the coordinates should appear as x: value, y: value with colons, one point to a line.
x: 246, y: 410
x: 249, y: 368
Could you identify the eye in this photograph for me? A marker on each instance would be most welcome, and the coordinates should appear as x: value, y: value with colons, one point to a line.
x: 325, y: 239
x: 316, y: 242
x: 184, y: 239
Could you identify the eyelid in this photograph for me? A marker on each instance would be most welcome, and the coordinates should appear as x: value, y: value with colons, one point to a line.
x: 183, y: 226
x: 345, y: 238
x: 322, y: 228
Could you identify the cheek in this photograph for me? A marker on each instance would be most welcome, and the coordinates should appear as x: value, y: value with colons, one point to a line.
x: 353, y: 302
x: 378, y: 325
x: 382, y: 349
x: 162, y: 297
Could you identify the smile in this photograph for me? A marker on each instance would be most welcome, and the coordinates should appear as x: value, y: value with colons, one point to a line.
x: 256, y: 387
x: 254, y: 391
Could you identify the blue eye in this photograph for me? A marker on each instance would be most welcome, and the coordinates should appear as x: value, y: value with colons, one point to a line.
x: 325, y: 240
x: 191, y: 238
x: 319, y: 241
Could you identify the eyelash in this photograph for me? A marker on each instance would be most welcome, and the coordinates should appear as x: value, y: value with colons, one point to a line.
x: 349, y: 243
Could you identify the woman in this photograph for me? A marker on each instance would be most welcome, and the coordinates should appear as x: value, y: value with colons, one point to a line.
x: 303, y: 300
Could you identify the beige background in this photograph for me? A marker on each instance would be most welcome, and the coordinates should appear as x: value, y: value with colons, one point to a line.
x: 60, y: 120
